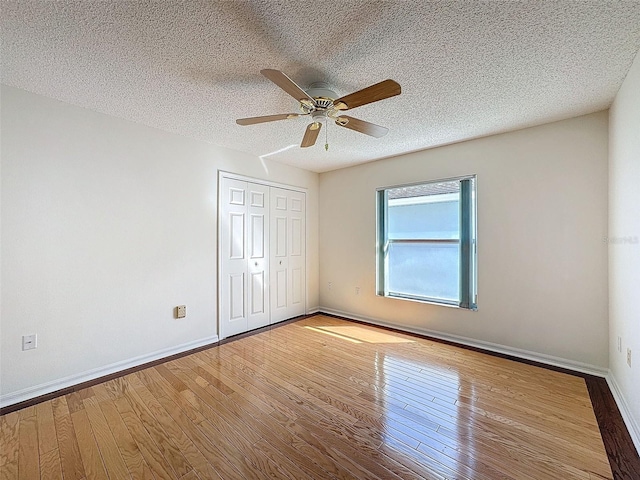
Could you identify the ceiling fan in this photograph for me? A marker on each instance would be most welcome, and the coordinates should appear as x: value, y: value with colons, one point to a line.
x: 321, y: 104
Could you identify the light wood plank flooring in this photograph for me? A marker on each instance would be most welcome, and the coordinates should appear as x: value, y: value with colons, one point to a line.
x: 320, y: 398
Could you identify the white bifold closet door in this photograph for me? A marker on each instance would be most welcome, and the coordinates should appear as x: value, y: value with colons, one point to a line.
x: 262, y: 255
x: 244, y: 245
x: 287, y: 256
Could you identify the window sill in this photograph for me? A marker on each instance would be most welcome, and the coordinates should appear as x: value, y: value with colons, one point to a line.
x: 429, y: 301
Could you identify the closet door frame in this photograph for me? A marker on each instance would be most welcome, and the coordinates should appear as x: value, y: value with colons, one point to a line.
x: 267, y: 183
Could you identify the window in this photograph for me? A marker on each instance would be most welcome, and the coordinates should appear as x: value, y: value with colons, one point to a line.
x: 427, y: 242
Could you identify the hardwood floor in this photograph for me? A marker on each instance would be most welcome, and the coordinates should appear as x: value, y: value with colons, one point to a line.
x: 320, y: 398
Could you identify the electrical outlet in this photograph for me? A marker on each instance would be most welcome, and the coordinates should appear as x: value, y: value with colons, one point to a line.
x: 629, y: 356
x: 330, y: 285
x: 181, y: 311
x: 620, y: 344
x: 29, y: 342
x: 357, y: 290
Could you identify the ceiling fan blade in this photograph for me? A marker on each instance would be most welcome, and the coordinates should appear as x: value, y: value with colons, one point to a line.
x: 311, y: 135
x: 361, y: 126
x: 374, y: 93
x: 266, y: 118
x: 286, y: 84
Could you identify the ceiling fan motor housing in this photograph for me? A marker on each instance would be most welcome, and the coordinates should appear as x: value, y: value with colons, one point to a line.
x: 323, y: 99
x: 321, y: 90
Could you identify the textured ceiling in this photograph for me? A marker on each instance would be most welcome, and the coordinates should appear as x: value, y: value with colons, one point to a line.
x: 467, y: 69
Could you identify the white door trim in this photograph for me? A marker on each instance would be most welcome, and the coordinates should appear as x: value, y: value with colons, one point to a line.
x: 268, y: 183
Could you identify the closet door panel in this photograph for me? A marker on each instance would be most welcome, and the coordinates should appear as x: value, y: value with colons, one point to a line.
x: 296, y: 254
x: 233, y: 258
x: 288, y: 254
x: 236, y: 297
x: 258, y: 258
x: 279, y: 263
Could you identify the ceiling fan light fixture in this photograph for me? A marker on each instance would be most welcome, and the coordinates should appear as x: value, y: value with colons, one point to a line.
x: 319, y: 116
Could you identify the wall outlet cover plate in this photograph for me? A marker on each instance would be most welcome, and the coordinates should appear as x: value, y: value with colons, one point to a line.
x: 29, y: 342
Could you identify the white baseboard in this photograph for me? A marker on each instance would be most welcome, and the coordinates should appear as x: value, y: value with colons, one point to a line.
x: 492, y: 347
x: 623, y: 406
x: 313, y: 310
x: 76, y: 379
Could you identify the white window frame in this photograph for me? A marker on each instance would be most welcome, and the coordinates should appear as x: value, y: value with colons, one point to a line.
x: 468, y: 274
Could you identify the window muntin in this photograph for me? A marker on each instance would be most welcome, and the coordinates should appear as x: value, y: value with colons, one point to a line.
x: 427, y: 242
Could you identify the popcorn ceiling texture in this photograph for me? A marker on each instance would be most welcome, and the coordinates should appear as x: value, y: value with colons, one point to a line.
x: 467, y: 69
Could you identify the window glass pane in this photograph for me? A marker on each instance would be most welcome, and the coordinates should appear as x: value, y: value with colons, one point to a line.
x: 428, y: 211
x: 424, y: 269
x: 433, y: 220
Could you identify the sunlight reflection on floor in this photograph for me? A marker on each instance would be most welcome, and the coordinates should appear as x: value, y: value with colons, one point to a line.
x: 357, y: 334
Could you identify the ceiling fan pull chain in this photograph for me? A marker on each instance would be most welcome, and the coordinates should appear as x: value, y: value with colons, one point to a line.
x: 326, y: 135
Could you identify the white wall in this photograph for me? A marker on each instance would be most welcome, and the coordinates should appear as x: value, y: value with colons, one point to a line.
x: 542, y: 219
x: 624, y: 246
x: 106, y: 226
